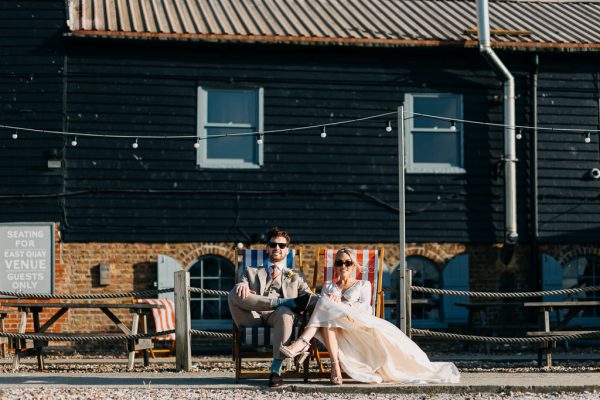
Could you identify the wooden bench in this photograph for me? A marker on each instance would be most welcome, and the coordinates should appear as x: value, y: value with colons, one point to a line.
x: 547, y: 346
x: 139, y: 311
x: 3, y: 340
x: 544, y: 308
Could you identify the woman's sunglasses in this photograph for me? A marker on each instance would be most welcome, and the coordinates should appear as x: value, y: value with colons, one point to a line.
x: 281, y: 245
x: 347, y: 263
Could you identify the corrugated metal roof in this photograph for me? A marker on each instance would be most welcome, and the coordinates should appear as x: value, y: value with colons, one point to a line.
x: 524, y: 23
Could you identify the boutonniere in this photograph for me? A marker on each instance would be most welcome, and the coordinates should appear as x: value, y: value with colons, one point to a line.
x: 289, y: 274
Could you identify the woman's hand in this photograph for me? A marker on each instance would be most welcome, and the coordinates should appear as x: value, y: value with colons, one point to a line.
x: 335, y: 298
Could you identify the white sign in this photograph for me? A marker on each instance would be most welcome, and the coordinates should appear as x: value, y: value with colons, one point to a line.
x: 27, y: 258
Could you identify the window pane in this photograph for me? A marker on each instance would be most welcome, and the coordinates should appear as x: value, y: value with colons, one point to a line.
x: 195, y: 310
x: 217, y: 274
x: 431, y: 147
x: 233, y: 147
x: 225, y: 314
x: 210, y: 267
x: 211, y: 284
x: 442, y: 106
x: 583, y: 271
x: 425, y: 273
x: 227, y: 284
x: 236, y: 106
x: 211, y: 309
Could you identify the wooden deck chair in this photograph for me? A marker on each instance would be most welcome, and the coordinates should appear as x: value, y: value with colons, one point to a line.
x: 256, y: 342
x: 164, y: 320
x: 370, y: 268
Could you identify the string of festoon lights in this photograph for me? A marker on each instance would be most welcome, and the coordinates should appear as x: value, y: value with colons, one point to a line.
x: 519, y: 129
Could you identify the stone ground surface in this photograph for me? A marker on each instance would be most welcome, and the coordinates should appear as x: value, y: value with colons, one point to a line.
x: 502, y: 375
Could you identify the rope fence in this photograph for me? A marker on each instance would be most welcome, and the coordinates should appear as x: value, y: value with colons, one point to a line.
x: 92, y: 337
x: 223, y: 335
x: 506, y: 340
x: 504, y: 295
x: 89, y: 296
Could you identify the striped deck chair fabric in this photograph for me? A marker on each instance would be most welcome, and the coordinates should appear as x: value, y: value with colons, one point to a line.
x: 164, y: 318
x: 260, y: 336
x: 368, y: 269
x: 258, y: 257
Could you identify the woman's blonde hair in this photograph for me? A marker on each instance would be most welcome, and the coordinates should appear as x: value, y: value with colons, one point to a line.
x: 349, y: 253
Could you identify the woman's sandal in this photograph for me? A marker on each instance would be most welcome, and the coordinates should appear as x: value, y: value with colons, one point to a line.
x: 299, y: 355
x: 336, y: 379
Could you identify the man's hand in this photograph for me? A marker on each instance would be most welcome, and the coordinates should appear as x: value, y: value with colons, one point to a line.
x: 243, y: 291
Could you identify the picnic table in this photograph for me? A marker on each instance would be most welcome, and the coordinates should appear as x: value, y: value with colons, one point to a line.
x: 481, y: 309
x: 544, y: 308
x: 140, y: 314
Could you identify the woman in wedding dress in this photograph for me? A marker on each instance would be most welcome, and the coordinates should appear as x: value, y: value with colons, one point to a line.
x: 369, y: 349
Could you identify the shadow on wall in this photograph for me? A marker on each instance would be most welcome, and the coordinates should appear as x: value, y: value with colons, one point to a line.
x: 145, y: 276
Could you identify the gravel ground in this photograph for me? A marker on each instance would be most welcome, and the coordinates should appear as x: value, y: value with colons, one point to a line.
x: 81, y: 364
x: 159, y: 394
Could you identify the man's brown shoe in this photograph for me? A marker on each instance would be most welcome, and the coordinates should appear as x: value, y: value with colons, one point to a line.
x: 275, y: 380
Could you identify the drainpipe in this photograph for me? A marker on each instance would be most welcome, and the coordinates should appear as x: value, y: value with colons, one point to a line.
x: 510, y: 174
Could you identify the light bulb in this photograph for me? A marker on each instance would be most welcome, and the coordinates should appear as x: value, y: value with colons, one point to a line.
x: 259, y: 140
x: 197, y: 145
x: 453, y: 125
x: 388, y: 128
x: 323, y: 133
x: 15, y: 135
x: 135, y: 144
x: 519, y: 135
x: 74, y: 142
x: 587, y: 138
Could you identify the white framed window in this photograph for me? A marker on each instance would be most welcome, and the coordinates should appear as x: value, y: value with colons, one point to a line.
x: 211, y: 311
x: 229, y: 112
x: 434, y: 145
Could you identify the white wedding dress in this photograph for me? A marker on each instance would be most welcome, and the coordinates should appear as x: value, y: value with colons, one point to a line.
x: 371, y: 349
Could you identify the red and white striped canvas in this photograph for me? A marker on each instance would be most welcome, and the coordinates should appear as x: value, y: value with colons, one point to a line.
x: 368, y: 262
x: 164, y: 318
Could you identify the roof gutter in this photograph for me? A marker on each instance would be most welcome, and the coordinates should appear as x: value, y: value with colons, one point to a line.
x: 510, y: 174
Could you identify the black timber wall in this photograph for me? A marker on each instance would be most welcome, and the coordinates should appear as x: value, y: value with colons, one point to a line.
x: 31, y: 94
x: 568, y: 98
x: 342, y: 188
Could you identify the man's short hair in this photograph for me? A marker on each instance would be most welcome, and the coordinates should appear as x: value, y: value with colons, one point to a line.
x: 275, y: 232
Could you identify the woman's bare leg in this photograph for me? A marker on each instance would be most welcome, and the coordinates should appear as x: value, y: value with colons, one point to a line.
x: 307, y: 334
x: 330, y: 339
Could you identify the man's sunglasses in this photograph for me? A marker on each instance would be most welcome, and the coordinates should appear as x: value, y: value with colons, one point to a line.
x: 347, y: 263
x: 281, y: 245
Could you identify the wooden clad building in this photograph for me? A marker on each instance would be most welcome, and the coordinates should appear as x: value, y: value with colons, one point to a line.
x: 83, y: 81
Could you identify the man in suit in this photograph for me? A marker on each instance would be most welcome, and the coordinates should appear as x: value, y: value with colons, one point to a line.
x: 271, y: 293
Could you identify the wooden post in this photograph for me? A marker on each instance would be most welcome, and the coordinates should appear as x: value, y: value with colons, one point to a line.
x: 408, y: 302
x: 183, y: 322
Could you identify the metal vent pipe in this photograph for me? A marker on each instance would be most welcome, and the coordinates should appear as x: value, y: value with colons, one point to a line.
x: 510, y: 174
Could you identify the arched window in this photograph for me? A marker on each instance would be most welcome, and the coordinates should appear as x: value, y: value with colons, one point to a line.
x: 426, y: 306
x: 211, y: 311
x: 583, y: 271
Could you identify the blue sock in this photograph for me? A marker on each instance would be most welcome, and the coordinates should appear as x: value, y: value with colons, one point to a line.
x: 276, y: 366
x: 282, y: 302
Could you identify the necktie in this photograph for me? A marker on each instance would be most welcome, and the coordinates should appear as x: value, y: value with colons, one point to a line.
x: 275, y: 271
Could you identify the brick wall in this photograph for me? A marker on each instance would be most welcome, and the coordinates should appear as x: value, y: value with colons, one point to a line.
x: 133, y: 267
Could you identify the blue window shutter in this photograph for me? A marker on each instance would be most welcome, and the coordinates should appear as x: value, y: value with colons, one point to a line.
x: 167, y: 267
x: 455, y: 277
x: 552, y: 276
